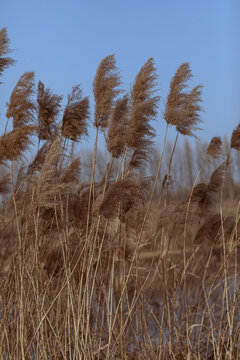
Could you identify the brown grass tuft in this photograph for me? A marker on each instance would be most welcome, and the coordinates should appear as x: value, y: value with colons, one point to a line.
x: 182, y: 108
x: 235, y: 139
x: 5, y: 62
x: 48, y: 108
x: 104, y: 269
x: 122, y: 198
x: 39, y: 159
x: 118, y: 127
x: 48, y: 182
x: 217, y: 178
x: 215, y: 147
x: 21, y: 106
x: 71, y: 174
x: 15, y: 143
x: 199, y: 193
x: 211, y: 230
x: 144, y: 108
x: 145, y: 82
x: 105, y: 89
x: 76, y: 115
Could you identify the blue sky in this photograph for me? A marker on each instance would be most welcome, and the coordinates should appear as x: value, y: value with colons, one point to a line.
x: 64, y: 41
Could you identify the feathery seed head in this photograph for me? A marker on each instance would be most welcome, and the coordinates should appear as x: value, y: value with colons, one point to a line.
x: 235, y: 139
x: 22, y: 106
x: 5, y: 62
x: 217, y: 178
x: 145, y: 82
x: 76, y: 115
x: 48, y: 108
x: 116, y: 139
x: 14, y: 143
x: 123, y: 197
x: 39, y: 159
x: 105, y: 89
x: 214, y: 148
x: 144, y: 108
x: 182, y: 108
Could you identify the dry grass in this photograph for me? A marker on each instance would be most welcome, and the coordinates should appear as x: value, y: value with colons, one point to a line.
x: 131, y: 265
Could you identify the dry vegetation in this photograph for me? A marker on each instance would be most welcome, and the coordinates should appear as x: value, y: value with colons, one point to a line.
x: 138, y: 258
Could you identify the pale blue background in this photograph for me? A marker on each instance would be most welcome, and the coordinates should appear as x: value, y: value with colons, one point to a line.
x: 64, y: 41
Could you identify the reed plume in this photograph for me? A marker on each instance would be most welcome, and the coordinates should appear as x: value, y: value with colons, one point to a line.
x: 217, y: 178
x: 48, y: 108
x: 200, y: 195
x: 15, y: 143
x: 118, y: 127
x: 203, y: 193
x: 143, y: 109
x: 48, y: 182
x: 81, y: 206
x: 76, y: 115
x: 5, y: 62
x: 122, y: 198
x: 211, y: 230
x: 39, y: 159
x: 182, y: 108
x: 71, y: 174
x: 215, y: 147
x: 21, y: 106
x: 105, y: 89
x: 235, y: 139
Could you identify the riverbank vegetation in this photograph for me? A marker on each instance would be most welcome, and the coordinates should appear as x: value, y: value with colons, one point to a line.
x: 128, y: 253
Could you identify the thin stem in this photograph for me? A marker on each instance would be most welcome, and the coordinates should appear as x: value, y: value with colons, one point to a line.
x: 91, y: 190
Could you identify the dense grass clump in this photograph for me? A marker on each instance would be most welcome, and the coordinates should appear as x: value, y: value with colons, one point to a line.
x: 132, y: 255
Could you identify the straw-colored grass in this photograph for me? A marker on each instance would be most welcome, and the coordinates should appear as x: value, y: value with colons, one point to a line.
x: 132, y: 264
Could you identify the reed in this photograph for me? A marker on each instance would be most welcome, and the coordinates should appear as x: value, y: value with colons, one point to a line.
x: 126, y: 265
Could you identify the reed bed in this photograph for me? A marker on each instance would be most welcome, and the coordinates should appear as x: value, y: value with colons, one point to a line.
x: 126, y: 265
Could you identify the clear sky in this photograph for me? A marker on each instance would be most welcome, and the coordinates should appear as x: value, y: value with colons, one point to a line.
x: 63, y: 41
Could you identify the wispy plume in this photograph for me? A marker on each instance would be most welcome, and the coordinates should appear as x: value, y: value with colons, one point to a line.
x: 118, y: 127
x: 21, y: 106
x: 48, y: 108
x: 39, y: 159
x: 5, y: 61
x: 214, y: 149
x: 71, y: 174
x: 235, y: 139
x: 105, y: 89
x: 182, y: 108
x: 15, y: 143
x: 203, y: 193
x: 211, y: 230
x: 144, y: 108
x: 123, y: 197
x: 76, y: 115
x: 217, y: 178
x: 48, y: 186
